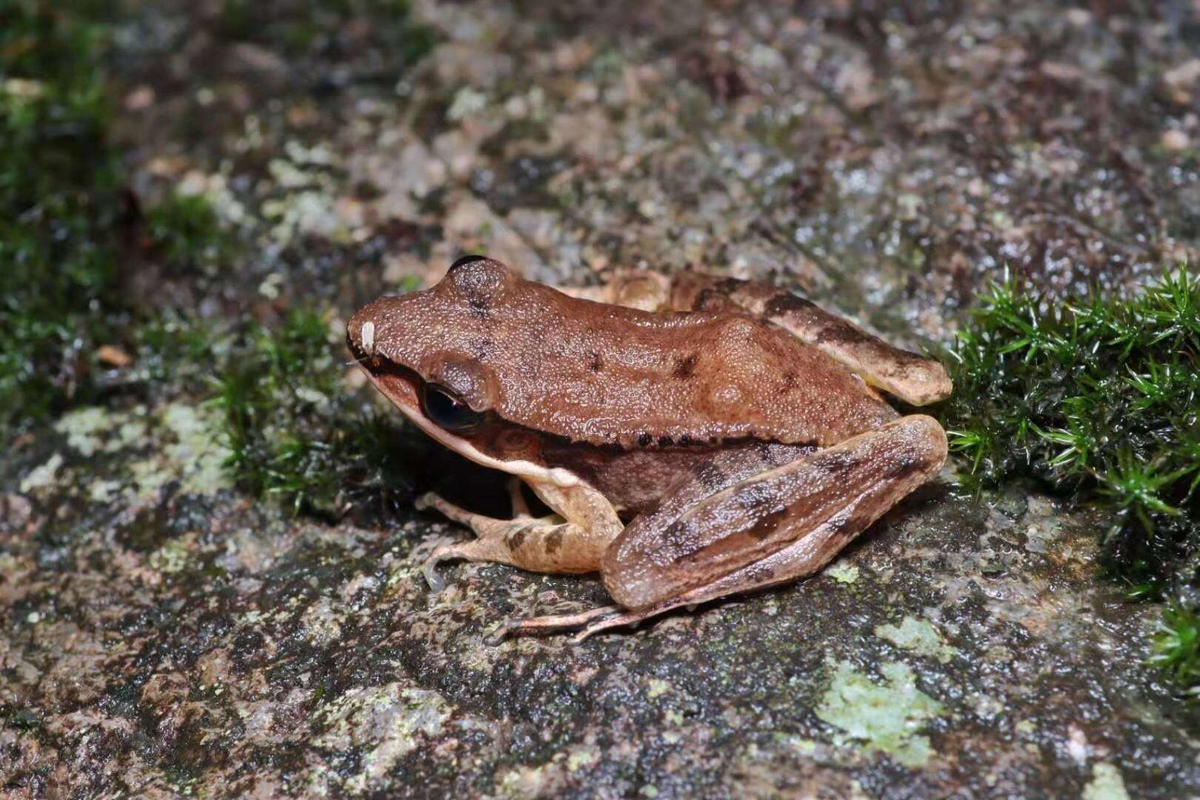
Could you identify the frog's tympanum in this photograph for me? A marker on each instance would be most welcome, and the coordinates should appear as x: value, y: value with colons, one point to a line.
x: 694, y: 437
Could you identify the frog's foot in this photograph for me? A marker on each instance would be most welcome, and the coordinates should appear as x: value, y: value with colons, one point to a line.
x: 597, y: 620
x: 477, y: 550
x: 550, y: 624
x: 540, y: 544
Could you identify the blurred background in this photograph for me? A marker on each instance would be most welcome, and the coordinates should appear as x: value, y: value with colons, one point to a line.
x: 209, y: 563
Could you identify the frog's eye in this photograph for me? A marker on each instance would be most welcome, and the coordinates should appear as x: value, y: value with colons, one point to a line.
x: 448, y: 411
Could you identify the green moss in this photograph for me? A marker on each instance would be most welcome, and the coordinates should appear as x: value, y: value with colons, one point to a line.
x: 21, y: 720
x: 63, y: 217
x: 1098, y: 400
x: 1176, y: 647
x: 296, y: 431
x: 186, y: 232
x: 385, y: 723
x: 58, y: 200
x: 175, y: 349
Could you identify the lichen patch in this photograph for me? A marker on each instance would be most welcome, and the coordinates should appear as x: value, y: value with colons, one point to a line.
x: 1106, y: 783
x: 919, y: 636
x: 884, y: 716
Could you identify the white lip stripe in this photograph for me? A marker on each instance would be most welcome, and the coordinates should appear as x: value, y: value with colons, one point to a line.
x: 368, y: 338
x: 523, y: 469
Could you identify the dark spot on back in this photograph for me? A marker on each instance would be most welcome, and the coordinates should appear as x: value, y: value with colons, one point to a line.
x: 685, y: 367
x: 759, y: 573
x: 645, y: 439
x: 596, y: 363
x: 553, y: 542
x: 674, y: 536
x: 664, y: 441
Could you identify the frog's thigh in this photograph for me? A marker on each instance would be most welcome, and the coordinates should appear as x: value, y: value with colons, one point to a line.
x: 912, y: 378
x: 774, y: 527
x: 633, y: 288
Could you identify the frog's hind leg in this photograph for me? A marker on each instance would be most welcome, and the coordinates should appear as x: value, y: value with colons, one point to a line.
x: 912, y: 378
x: 771, y: 528
x: 633, y: 288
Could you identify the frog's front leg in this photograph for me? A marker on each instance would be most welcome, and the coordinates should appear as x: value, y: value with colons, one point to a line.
x: 766, y: 529
x: 572, y: 540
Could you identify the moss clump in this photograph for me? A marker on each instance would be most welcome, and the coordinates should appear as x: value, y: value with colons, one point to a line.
x: 1176, y: 648
x: 58, y: 201
x: 1098, y: 399
x: 64, y: 217
x: 186, y: 234
x: 174, y: 349
x: 297, y: 433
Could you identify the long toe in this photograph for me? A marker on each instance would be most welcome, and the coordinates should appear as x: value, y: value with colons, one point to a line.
x: 436, y: 582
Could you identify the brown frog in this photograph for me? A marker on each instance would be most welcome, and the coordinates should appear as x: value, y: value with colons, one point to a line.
x: 694, y: 436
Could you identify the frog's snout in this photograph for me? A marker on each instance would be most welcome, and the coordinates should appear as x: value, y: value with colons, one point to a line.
x: 360, y: 335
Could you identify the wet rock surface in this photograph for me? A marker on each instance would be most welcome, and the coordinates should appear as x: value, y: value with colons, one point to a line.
x: 164, y: 632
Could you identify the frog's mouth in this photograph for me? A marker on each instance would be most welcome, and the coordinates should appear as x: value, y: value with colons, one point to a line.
x: 402, y: 386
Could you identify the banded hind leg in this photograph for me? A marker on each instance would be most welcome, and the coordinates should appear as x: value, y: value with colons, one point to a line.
x: 911, y: 377
x: 761, y: 528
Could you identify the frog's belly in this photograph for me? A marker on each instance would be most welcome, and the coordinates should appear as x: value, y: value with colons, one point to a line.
x: 635, y: 480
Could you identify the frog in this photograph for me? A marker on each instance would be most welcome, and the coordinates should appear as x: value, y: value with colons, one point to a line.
x: 692, y: 436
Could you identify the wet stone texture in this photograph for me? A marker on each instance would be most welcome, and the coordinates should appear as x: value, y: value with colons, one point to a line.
x: 163, y: 632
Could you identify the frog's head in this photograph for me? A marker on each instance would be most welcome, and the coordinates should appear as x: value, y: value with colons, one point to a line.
x: 431, y: 354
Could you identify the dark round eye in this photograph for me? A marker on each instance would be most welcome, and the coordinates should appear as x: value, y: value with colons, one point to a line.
x: 448, y: 411
x: 466, y: 260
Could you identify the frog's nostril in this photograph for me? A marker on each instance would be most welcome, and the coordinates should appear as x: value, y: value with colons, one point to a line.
x: 368, y: 338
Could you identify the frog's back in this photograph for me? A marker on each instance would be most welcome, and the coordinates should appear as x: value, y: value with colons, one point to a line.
x: 608, y: 374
